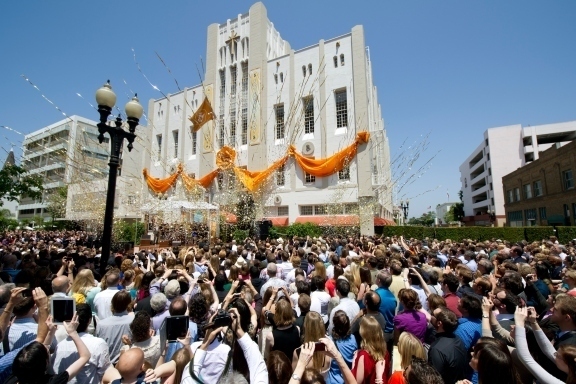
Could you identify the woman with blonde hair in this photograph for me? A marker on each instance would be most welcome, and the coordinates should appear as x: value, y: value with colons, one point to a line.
x: 372, y: 350
x: 408, y: 346
x: 312, y: 331
x: 84, y: 288
x: 353, y: 285
x: 320, y: 270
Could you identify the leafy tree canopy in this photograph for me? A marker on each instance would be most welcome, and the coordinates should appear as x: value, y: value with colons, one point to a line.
x: 15, y: 182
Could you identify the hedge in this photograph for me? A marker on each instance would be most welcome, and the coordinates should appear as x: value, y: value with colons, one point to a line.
x: 512, y: 234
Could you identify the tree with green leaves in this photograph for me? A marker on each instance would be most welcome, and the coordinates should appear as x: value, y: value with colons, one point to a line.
x: 15, y: 182
x: 427, y: 219
x: 6, y: 221
x: 57, y: 202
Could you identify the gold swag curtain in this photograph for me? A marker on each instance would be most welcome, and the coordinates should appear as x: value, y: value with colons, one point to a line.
x: 161, y: 185
x: 252, y: 180
x: 190, y: 183
x: 330, y: 165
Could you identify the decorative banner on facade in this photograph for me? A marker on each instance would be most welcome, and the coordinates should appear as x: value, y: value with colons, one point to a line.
x: 330, y: 165
x: 161, y: 185
x: 252, y: 180
x: 203, y: 115
x: 190, y: 183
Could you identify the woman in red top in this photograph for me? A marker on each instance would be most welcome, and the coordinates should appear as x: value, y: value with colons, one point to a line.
x: 373, y: 350
x: 331, y: 283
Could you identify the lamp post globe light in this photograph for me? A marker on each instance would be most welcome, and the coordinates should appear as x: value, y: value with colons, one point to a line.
x: 405, y: 205
x: 106, y: 99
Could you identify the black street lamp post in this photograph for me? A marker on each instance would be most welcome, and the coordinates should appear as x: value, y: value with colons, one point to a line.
x: 106, y: 99
x: 404, y: 205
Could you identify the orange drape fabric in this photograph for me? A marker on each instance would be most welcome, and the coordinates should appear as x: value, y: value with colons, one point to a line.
x: 161, y: 185
x: 253, y: 180
x: 330, y: 165
x: 190, y: 183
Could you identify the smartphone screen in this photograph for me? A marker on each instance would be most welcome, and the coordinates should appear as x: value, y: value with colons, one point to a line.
x: 176, y: 327
x: 63, y: 309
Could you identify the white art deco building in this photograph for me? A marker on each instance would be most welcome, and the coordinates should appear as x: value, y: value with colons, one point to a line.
x: 267, y: 96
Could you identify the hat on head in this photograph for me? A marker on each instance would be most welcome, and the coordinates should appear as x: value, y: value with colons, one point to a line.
x: 280, y: 240
x: 240, y: 262
x: 172, y: 289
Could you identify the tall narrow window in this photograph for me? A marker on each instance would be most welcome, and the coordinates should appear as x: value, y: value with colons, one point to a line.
x: 222, y: 83
x: 304, y: 70
x: 233, y: 128
x: 175, y: 136
x: 527, y: 191
x: 159, y: 142
x: 309, y: 69
x: 568, y: 179
x: 233, y: 77
x: 279, y: 121
x: 308, y: 103
x: 194, y: 142
x: 220, y: 180
x: 335, y: 61
x: 516, y: 194
x: 280, y: 177
x: 341, y: 108
x: 222, y: 132
x: 538, y: 188
x: 344, y: 174
x: 281, y: 77
x: 341, y: 59
x: 276, y: 78
x: 244, y: 103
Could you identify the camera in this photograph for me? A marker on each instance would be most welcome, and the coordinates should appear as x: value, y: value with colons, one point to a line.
x: 222, y: 319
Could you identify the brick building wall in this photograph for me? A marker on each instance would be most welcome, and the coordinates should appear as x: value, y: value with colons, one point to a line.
x: 543, y: 192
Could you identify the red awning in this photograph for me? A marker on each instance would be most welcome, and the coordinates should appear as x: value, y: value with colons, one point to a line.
x: 278, y: 221
x: 382, y: 222
x: 339, y: 220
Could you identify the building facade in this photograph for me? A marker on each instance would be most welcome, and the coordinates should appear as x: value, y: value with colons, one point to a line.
x: 68, y: 154
x: 441, y: 211
x: 267, y: 96
x: 542, y: 192
x: 503, y: 150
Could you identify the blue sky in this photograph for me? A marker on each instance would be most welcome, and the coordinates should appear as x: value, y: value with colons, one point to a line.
x: 450, y: 69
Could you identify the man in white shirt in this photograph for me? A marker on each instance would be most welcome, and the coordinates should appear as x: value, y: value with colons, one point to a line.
x: 103, y: 299
x: 273, y: 281
x: 321, y: 297
x: 349, y: 306
x: 286, y: 264
x: 66, y: 352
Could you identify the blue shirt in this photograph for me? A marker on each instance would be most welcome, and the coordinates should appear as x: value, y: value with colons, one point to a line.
x: 387, y: 307
x: 469, y: 331
x: 347, y: 347
x: 6, y: 362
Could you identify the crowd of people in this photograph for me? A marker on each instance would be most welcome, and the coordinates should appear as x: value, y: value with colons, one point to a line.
x: 363, y: 309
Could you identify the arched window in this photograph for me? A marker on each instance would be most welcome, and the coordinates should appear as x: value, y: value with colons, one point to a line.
x: 341, y: 59
x: 309, y: 69
x: 276, y: 78
x: 304, y: 70
x: 281, y: 77
x: 335, y: 61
